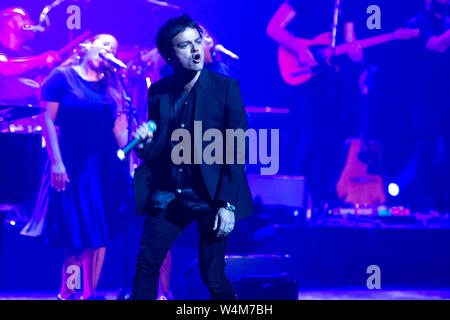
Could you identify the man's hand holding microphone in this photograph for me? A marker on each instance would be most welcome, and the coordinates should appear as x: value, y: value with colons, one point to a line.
x: 143, y: 134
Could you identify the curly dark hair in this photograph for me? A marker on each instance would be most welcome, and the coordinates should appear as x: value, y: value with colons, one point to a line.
x: 170, y: 29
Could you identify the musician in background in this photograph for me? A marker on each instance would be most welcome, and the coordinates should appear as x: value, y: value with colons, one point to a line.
x: 85, y: 99
x: 215, y: 60
x: 430, y: 89
x: 17, y: 59
x: 314, y: 110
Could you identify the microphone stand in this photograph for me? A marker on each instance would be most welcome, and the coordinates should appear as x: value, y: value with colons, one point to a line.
x: 129, y: 104
x: 334, y: 28
x: 125, y: 292
x: 331, y: 70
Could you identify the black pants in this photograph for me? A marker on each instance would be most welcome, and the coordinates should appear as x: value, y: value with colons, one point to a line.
x: 160, y: 231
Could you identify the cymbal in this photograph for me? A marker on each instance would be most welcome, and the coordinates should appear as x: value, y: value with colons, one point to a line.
x: 12, y: 88
x: 11, y: 112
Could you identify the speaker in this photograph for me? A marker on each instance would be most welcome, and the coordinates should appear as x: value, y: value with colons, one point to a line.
x: 254, y: 277
x: 278, y: 189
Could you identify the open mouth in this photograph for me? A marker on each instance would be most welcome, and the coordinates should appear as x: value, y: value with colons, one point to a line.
x: 196, y: 58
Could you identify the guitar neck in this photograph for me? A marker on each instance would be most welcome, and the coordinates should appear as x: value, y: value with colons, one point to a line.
x: 68, y: 47
x: 364, y: 43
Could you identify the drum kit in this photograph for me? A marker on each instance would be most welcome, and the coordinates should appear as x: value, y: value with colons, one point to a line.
x: 20, y: 119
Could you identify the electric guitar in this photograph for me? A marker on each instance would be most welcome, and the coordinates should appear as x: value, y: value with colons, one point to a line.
x: 293, y: 73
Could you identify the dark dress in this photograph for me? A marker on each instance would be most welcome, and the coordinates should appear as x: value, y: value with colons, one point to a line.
x: 77, y: 217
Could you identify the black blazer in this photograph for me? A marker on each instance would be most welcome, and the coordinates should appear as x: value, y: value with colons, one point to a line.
x: 218, y: 104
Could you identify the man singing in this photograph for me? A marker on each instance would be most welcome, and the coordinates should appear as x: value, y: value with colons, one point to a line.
x: 173, y: 195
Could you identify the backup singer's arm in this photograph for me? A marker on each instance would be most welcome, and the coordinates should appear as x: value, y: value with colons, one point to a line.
x: 58, y: 171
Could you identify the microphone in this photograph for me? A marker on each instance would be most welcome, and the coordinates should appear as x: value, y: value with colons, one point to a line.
x: 121, y: 153
x: 109, y: 57
x: 33, y: 28
x: 221, y: 48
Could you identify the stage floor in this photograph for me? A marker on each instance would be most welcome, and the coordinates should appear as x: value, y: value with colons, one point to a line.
x: 310, y: 294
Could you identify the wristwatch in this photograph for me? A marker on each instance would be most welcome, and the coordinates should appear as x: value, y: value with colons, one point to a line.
x: 228, y: 206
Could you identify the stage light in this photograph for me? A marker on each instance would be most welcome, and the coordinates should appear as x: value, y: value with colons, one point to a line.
x: 12, y: 222
x: 393, y: 189
x: 121, y: 154
x: 308, y: 214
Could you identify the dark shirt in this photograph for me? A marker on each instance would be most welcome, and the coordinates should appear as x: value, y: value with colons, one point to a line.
x: 429, y: 26
x: 312, y: 17
x: 431, y: 70
x: 79, y: 99
x: 180, y: 118
x: 315, y: 17
x: 180, y: 185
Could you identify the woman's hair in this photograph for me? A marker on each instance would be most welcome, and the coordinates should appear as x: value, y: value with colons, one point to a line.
x: 114, y: 86
x: 170, y: 29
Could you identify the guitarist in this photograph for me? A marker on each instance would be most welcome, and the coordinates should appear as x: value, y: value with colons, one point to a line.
x: 430, y: 85
x: 295, y: 25
x: 17, y: 59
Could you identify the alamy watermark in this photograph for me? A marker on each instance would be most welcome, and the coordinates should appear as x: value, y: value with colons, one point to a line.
x: 74, y: 279
x: 374, y: 280
x: 74, y: 19
x: 233, y: 145
x: 374, y: 20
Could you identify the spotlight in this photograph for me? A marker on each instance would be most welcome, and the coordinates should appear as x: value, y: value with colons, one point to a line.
x: 393, y: 189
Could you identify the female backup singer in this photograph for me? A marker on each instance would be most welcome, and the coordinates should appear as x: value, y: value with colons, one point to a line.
x: 84, y: 98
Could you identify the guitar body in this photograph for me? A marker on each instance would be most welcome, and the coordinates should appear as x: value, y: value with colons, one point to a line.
x: 290, y: 69
x: 356, y: 185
